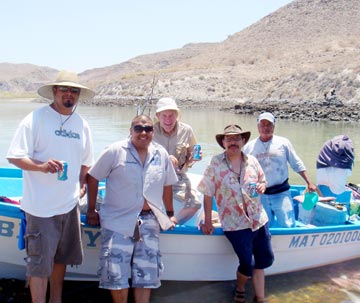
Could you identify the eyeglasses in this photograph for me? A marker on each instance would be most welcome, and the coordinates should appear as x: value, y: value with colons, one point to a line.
x: 139, y: 128
x: 233, y: 138
x: 73, y: 90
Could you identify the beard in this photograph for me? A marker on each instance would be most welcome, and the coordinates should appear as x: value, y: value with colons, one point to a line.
x: 68, y: 103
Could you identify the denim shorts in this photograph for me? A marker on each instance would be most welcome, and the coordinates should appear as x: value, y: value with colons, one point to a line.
x: 280, y: 209
x: 52, y: 240
x: 125, y: 262
x: 247, y: 243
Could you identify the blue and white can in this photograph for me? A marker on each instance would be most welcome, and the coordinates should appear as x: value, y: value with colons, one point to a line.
x: 252, y: 190
x: 196, y: 152
x: 62, y: 174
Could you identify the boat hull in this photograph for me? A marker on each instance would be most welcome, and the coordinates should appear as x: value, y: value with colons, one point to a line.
x: 187, y: 254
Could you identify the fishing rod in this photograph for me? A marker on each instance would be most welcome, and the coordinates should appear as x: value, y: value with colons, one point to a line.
x: 148, y: 101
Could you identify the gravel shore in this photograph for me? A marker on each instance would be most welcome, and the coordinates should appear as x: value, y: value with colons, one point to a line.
x: 333, y: 284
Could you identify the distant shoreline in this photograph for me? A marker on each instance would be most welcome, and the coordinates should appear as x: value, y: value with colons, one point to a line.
x: 20, y: 100
x: 311, y: 111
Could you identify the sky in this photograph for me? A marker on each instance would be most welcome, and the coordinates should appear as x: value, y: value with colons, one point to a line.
x: 79, y: 35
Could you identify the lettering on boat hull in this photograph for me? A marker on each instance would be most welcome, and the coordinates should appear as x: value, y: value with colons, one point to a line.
x: 324, y: 239
x: 92, y: 236
x: 9, y: 228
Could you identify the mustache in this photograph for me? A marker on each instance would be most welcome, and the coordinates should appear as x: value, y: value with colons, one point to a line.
x: 233, y: 145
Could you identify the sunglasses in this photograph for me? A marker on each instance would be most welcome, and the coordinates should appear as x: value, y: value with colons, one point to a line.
x: 233, y: 138
x: 73, y: 90
x: 139, y: 128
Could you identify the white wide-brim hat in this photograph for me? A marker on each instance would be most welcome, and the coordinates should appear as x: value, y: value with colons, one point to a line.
x: 66, y: 78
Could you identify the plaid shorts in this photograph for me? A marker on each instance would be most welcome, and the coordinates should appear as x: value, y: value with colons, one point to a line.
x: 124, y: 261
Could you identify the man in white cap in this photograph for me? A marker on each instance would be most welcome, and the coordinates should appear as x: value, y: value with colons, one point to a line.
x: 274, y: 153
x: 53, y: 147
x: 178, y: 139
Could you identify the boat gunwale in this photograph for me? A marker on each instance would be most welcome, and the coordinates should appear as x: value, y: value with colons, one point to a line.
x: 14, y: 211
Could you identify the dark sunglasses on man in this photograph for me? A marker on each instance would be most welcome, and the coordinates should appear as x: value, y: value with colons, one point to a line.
x: 65, y: 89
x: 140, y: 128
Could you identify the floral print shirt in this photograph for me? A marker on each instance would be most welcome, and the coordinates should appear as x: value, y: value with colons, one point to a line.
x: 237, y: 209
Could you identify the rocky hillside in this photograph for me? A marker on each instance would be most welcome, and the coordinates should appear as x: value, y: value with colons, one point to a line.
x: 297, y: 54
x: 22, y: 80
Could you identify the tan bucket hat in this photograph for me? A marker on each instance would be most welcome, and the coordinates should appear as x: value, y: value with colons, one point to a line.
x: 232, y: 129
x: 66, y: 78
x: 166, y: 104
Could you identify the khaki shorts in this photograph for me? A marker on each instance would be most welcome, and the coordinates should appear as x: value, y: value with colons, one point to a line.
x: 52, y: 240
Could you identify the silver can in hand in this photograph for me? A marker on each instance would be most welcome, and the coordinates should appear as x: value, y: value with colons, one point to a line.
x: 62, y: 174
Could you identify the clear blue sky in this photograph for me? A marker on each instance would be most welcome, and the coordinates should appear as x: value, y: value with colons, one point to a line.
x: 84, y: 34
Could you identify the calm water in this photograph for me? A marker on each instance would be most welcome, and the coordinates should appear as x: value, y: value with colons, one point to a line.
x: 112, y: 123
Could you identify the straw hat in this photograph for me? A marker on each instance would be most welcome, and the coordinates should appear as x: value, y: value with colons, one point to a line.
x: 66, y: 78
x: 166, y: 104
x: 232, y: 129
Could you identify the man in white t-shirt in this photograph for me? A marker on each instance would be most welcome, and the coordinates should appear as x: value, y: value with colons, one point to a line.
x: 49, y: 142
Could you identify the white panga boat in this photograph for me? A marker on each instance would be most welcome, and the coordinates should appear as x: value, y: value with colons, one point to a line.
x: 187, y: 254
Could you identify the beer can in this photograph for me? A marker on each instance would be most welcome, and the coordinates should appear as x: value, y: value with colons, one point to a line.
x: 252, y: 190
x: 62, y: 174
x: 196, y: 152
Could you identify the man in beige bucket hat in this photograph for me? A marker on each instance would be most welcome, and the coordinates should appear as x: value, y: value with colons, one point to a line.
x: 53, y: 147
x: 178, y: 139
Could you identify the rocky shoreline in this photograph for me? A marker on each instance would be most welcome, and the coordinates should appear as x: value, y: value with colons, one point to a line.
x: 329, y: 109
x: 312, y: 111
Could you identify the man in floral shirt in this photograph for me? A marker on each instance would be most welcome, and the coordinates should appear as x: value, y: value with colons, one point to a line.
x: 236, y: 180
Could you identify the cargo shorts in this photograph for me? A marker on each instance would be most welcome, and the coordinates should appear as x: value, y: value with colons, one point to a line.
x: 126, y: 263
x: 52, y: 240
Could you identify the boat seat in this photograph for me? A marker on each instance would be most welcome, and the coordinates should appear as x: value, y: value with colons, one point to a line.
x: 344, y: 197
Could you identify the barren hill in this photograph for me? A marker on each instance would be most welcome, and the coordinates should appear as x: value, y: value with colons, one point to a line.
x: 297, y: 53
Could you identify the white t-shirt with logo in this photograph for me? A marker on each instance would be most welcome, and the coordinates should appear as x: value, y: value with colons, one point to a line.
x: 40, y: 137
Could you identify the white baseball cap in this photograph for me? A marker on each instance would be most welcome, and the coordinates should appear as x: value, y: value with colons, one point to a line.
x: 266, y: 116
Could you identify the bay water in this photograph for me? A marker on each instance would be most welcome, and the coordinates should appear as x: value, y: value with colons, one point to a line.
x: 110, y: 124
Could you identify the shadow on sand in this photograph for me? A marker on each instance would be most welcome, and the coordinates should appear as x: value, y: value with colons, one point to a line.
x: 338, y: 283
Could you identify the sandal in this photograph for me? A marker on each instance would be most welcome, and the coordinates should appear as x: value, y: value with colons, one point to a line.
x: 256, y: 300
x: 239, y: 296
